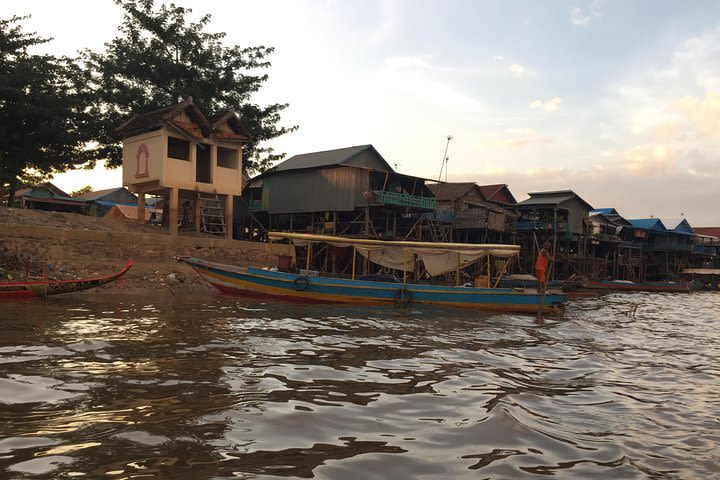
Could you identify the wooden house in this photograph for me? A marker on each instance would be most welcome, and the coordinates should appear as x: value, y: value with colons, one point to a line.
x: 561, y: 217
x: 176, y: 152
x: 472, y: 217
x: 351, y: 191
x: 49, y: 197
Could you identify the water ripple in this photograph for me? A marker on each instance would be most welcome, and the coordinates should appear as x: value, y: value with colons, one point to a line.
x: 213, y: 387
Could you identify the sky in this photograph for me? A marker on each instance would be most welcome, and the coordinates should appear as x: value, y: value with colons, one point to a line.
x: 618, y: 101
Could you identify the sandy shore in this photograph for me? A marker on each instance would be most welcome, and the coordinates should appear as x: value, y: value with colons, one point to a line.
x: 78, y: 246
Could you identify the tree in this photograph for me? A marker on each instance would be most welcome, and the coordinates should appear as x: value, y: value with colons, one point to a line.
x: 160, y: 58
x: 43, y: 122
x: 82, y: 191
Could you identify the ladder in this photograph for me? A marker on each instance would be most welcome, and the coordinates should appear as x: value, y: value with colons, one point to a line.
x: 212, y: 214
x: 438, y: 231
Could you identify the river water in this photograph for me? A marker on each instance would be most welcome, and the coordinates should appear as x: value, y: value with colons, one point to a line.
x: 219, y: 387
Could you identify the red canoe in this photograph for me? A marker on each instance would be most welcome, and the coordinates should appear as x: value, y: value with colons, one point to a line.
x: 43, y: 288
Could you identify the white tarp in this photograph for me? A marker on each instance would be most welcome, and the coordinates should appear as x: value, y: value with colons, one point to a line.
x: 438, y: 258
x: 436, y: 262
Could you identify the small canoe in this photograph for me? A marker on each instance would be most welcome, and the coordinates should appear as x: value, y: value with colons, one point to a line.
x: 44, y: 288
x: 623, y: 285
x: 261, y: 283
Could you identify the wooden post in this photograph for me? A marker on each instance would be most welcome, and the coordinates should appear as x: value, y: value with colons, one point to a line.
x: 554, y: 245
x: 229, y: 216
x: 141, y: 208
x: 404, y: 267
x: 457, y: 271
x: 309, y: 254
x: 353, y: 262
x: 197, y: 212
x: 173, y: 214
x: 488, y: 271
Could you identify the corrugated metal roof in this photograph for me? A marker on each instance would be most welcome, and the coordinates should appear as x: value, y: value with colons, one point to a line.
x: 710, y: 231
x: 679, y: 225
x: 555, y: 197
x: 325, y: 158
x: 498, y: 193
x: 647, y: 223
x: 451, y: 191
x: 99, y: 193
x: 605, y: 211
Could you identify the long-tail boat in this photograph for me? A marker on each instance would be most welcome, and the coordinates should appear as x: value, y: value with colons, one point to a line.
x: 437, y: 259
x: 46, y: 287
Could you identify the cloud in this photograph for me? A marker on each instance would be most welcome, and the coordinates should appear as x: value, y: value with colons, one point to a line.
x: 512, y: 138
x: 581, y: 18
x: 578, y: 18
x: 498, y: 58
x: 520, y: 71
x: 548, y: 106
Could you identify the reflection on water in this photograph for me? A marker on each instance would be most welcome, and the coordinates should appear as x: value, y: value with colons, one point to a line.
x: 216, y: 387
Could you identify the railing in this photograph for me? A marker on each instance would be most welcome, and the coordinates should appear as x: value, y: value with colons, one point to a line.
x: 403, y: 199
x: 607, y: 237
x: 705, y: 250
x: 530, y: 225
x: 255, y: 204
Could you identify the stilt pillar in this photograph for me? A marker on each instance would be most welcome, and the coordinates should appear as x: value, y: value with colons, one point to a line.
x: 229, y: 216
x: 173, y: 211
x: 141, y: 208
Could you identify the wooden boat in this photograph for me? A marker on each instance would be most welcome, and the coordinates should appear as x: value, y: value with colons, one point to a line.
x: 626, y: 286
x: 46, y: 287
x: 306, y: 286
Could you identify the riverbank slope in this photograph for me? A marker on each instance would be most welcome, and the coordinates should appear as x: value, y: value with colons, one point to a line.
x: 78, y: 246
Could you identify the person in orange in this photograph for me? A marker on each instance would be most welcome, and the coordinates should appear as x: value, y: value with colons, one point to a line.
x: 541, y: 266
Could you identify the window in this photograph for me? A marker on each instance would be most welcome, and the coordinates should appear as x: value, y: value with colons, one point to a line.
x: 203, y: 171
x: 179, y: 149
x: 228, y: 157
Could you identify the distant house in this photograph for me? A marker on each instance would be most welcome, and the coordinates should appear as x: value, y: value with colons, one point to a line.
x: 351, y: 190
x: 606, y: 224
x: 471, y: 215
x: 562, y: 211
x: 106, y: 199
x: 49, y: 197
x: 499, y: 194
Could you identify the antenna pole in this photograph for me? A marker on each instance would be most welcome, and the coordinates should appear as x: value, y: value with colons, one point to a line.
x: 444, y: 159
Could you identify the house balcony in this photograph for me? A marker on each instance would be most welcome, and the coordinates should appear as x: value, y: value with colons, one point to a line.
x: 255, y: 205
x: 403, y: 200
x: 535, y: 225
x: 607, y: 238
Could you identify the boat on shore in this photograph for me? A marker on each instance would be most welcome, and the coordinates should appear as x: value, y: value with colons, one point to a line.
x: 46, y: 287
x: 627, y: 286
x: 437, y: 259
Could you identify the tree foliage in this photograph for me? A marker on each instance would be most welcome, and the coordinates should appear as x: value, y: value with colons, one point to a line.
x: 82, y: 191
x: 44, y: 124
x: 160, y: 58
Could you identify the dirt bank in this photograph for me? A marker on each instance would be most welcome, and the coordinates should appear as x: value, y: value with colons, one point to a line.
x: 78, y: 246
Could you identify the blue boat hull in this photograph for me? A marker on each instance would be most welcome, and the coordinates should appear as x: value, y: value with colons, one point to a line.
x: 290, y: 286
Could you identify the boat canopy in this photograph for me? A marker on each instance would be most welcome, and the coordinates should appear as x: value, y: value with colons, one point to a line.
x: 438, y: 258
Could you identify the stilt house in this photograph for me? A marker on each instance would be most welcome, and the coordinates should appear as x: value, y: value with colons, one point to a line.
x: 197, y: 164
x: 348, y: 191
